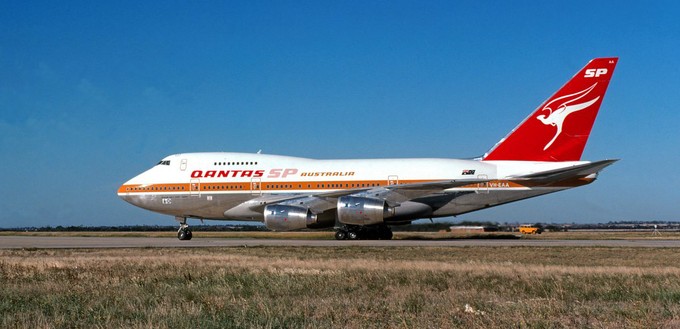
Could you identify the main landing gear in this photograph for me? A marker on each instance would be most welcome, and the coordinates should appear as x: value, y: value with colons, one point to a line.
x: 184, y: 233
x: 356, y: 232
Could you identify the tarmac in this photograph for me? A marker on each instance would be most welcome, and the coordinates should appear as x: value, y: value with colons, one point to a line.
x: 41, y: 242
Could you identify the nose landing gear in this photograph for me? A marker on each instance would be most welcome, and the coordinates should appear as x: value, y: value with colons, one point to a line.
x: 184, y: 233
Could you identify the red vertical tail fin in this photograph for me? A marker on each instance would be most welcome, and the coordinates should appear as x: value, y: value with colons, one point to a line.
x: 558, y: 130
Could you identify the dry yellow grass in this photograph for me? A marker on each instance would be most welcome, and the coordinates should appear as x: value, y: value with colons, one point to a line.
x: 353, y: 287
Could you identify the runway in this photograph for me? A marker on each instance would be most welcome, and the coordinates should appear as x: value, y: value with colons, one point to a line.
x: 40, y: 242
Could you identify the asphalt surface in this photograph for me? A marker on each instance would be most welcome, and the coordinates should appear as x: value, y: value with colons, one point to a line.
x: 40, y: 242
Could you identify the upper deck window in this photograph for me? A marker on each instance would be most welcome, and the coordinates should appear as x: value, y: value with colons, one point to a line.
x: 235, y: 163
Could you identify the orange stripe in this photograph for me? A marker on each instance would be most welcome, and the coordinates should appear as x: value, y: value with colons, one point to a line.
x: 327, y: 185
x: 264, y: 186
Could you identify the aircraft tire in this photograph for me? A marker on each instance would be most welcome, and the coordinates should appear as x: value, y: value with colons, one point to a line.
x: 184, y: 234
x: 340, y: 235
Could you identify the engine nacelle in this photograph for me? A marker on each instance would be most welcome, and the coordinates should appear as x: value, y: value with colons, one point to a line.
x: 362, y: 211
x: 288, y: 218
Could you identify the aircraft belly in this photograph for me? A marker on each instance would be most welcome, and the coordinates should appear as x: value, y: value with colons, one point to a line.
x: 212, y: 206
x: 207, y: 206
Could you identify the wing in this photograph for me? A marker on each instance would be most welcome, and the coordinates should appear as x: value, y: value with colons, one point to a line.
x: 320, y: 202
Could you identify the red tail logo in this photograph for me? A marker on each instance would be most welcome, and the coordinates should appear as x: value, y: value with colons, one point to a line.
x: 558, y: 130
x: 556, y: 118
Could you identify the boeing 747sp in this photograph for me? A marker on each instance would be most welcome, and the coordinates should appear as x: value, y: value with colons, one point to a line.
x: 362, y: 198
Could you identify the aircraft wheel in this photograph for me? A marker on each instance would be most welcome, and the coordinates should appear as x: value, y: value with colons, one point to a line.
x: 184, y: 234
x: 340, y: 235
x: 352, y: 235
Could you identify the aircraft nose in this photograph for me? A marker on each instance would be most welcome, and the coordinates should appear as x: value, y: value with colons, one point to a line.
x: 124, y: 192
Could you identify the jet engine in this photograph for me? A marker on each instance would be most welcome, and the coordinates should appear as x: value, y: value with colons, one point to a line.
x: 363, y: 211
x: 288, y: 218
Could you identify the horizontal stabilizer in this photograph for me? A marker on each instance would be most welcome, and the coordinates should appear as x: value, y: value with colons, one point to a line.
x: 557, y: 175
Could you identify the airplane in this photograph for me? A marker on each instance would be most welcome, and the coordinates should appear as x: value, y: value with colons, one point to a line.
x: 362, y: 198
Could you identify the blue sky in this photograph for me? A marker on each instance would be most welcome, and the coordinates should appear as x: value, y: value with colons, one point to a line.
x: 92, y: 93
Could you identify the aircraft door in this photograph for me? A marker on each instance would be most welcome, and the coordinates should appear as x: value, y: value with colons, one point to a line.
x: 483, y: 188
x: 392, y: 180
x: 183, y: 165
x: 255, y: 186
x: 195, y: 187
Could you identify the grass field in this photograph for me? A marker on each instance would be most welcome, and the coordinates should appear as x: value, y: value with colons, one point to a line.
x: 352, y: 287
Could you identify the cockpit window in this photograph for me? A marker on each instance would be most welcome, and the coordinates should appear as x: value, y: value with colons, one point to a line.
x: 164, y: 162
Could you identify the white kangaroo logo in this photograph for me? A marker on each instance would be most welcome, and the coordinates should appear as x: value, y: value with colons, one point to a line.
x: 556, y: 117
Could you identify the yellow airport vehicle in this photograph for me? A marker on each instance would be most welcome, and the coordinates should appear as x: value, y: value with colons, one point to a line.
x: 529, y: 229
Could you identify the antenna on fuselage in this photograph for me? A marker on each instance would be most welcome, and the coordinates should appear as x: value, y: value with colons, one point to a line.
x: 259, y: 151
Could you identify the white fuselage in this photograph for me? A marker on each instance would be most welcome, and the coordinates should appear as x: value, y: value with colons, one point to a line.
x: 218, y: 185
